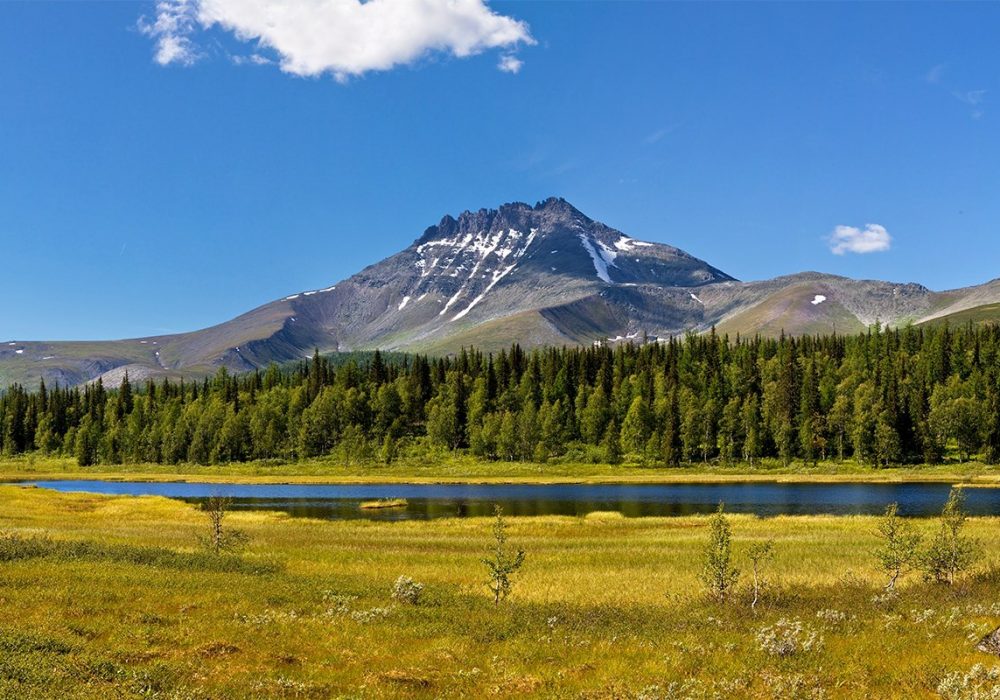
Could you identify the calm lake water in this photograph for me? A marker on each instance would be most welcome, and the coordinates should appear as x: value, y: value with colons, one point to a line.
x: 341, y: 501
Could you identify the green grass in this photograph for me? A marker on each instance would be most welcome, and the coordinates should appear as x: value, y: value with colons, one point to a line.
x: 458, y: 468
x: 790, y: 311
x: 110, y: 597
x: 978, y: 315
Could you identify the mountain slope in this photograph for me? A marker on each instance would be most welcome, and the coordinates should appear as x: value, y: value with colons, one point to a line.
x: 539, y: 275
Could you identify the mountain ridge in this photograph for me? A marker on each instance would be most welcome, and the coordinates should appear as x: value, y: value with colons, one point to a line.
x: 538, y: 274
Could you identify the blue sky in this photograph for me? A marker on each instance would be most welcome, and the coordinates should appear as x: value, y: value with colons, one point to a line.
x: 141, y: 198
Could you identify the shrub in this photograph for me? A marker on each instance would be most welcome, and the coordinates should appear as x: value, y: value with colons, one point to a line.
x: 950, y: 552
x: 979, y: 683
x: 718, y: 574
x: 501, y: 564
x: 898, y: 551
x: 833, y: 617
x: 760, y: 555
x: 221, y: 539
x: 788, y: 637
x: 406, y: 590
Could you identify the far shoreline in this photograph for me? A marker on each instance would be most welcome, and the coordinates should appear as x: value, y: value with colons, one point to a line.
x: 469, y: 471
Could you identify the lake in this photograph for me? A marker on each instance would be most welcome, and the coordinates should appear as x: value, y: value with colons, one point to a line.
x: 424, y: 501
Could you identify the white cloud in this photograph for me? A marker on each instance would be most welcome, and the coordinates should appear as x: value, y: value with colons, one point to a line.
x: 850, y: 239
x: 175, y: 22
x: 935, y: 74
x: 254, y: 59
x: 510, y: 63
x: 343, y: 38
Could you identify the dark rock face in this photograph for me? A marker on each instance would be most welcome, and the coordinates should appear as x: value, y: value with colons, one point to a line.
x: 490, y: 264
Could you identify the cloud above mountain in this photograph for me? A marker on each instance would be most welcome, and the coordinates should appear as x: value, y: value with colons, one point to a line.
x: 342, y: 38
x: 873, y: 238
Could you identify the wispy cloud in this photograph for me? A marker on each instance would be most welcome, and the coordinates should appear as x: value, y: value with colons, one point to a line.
x: 935, y: 74
x: 254, y: 59
x: 974, y: 99
x: 510, y: 64
x: 342, y: 38
x: 873, y: 238
x: 175, y: 22
x: 660, y: 134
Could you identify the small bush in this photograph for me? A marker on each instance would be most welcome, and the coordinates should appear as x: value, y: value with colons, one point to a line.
x: 501, y: 564
x: 406, y: 590
x: 833, y: 617
x: 789, y: 637
x: 220, y: 538
x: 979, y: 683
x: 718, y: 574
x: 950, y: 552
x: 898, y: 551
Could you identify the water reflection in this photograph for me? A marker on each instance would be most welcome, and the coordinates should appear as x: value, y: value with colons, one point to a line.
x: 427, y: 501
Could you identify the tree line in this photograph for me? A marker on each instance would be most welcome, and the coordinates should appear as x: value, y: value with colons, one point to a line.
x: 913, y: 395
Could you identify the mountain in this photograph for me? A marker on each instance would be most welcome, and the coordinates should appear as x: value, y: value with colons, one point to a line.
x: 538, y: 275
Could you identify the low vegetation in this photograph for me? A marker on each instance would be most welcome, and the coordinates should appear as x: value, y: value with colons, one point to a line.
x: 382, y: 503
x: 501, y: 563
x: 113, y: 597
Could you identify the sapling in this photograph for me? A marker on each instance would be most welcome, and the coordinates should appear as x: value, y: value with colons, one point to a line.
x: 899, y: 549
x: 221, y: 539
x: 760, y: 555
x: 500, y: 562
x: 718, y: 573
x: 950, y: 552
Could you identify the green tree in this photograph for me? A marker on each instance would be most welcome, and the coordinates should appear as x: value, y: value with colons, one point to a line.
x: 595, y: 416
x: 88, y: 437
x: 611, y: 449
x: 718, y: 573
x: 950, y: 552
x: 955, y: 413
x: 636, y: 427
x: 501, y: 563
x: 898, y: 550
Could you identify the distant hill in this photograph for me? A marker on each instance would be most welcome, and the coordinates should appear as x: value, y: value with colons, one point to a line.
x: 538, y: 275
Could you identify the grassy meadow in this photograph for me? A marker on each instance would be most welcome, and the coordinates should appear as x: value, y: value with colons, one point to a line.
x: 448, y: 467
x: 113, y: 597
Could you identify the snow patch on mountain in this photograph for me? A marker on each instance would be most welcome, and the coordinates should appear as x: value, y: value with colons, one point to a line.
x: 497, y: 274
x: 818, y: 299
x: 599, y: 256
x: 626, y: 244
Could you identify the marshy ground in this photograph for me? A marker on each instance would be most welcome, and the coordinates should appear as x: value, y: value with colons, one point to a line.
x: 113, y: 597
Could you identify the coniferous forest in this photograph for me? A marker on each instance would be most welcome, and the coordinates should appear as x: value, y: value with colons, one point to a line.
x: 915, y: 395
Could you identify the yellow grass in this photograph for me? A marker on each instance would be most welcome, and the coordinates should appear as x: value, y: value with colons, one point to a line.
x: 383, y: 503
x: 606, y: 607
x: 450, y: 468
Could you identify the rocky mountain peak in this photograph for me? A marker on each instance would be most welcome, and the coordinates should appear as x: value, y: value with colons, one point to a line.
x: 541, y: 274
x: 518, y: 216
